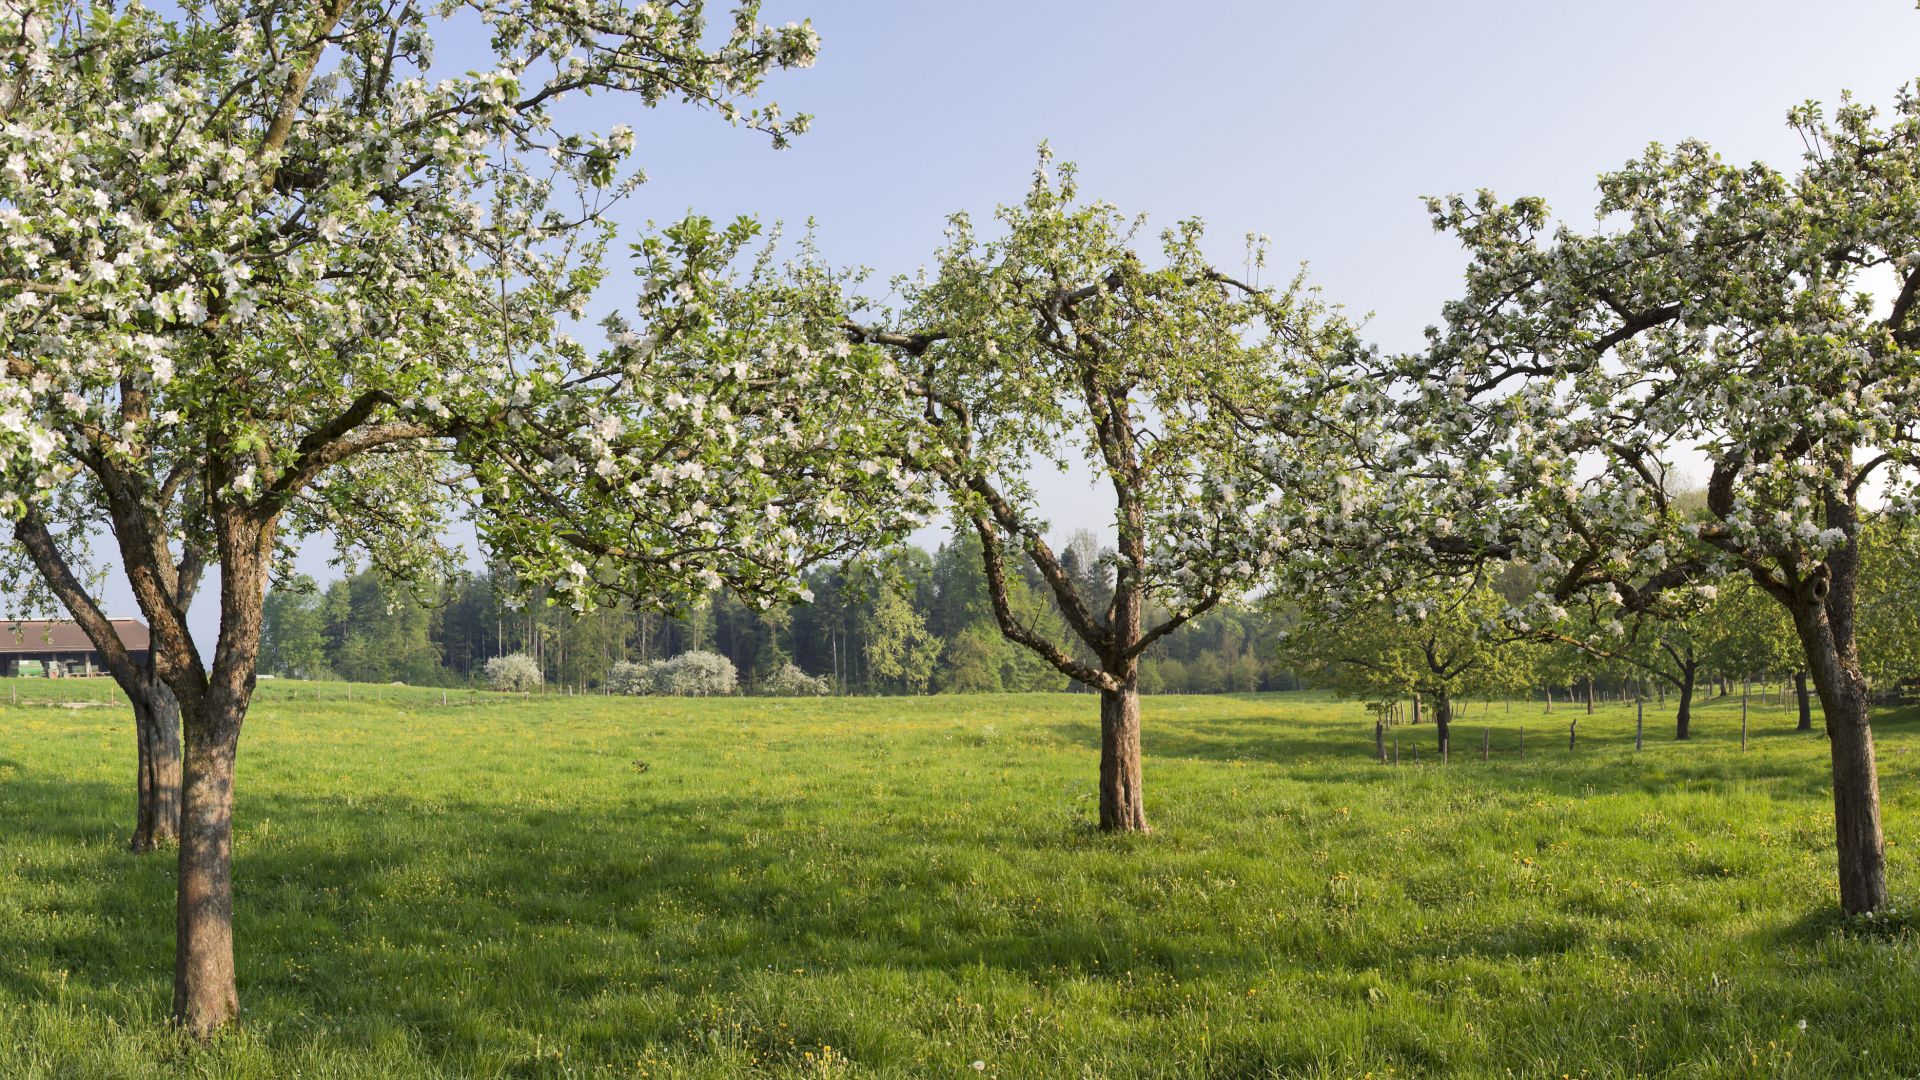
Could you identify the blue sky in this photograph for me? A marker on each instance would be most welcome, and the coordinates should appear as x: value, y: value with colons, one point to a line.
x: 1321, y: 125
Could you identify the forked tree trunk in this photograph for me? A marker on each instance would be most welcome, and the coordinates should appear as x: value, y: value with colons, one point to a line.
x: 205, y: 993
x: 1805, y: 699
x: 1121, y: 807
x: 1683, y: 717
x: 156, y: 721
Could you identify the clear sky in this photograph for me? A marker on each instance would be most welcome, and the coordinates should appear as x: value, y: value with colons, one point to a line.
x: 1319, y: 124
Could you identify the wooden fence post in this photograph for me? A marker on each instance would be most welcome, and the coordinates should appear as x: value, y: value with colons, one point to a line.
x: 1486, y: 742
x: 1380, y: 739
x: 1523, y: 741
x: 1570, y: 730
x: 1639, y: 722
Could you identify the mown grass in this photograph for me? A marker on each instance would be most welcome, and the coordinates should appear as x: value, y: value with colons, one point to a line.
x: 561, y: 887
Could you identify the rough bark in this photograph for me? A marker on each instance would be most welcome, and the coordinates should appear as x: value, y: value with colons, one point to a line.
x: 156, y: 721
x: 1805, y: 699
x: 206, y: 995
x: 1683, y: 716
x: 1121, y: 807
x: 1856, y: 793
x: 1822, y: 609
x: 1443, y: 723
x: 156, y: 713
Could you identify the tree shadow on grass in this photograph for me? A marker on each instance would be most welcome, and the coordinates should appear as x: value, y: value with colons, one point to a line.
x: 1234, y: 738
x: 1524, y: 755
x: 455, y: 917
x: 439, y: 915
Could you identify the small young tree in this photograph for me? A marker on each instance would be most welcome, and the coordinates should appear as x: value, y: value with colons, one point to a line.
x: 900, y: 649
x: 1747, y: 635
x: 1664, y: 641
x: 630, y: 677
x: 1437, y: 641
x: 1726, y: 310
x: 515, y: 673
x: 789, y: 681
x: 1057, y: 339
x: 695, y: 674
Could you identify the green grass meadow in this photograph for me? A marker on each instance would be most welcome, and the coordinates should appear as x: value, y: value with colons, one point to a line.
x: 586, y: 887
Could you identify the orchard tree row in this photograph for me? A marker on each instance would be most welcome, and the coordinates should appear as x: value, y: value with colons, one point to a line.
x: 1450, y: 638
x: 267, y: 274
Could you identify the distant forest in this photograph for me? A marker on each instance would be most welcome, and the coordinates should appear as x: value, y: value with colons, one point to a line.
x: 909, y: 622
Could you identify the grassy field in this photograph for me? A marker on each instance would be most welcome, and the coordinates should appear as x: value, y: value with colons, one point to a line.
x: 579, y: 887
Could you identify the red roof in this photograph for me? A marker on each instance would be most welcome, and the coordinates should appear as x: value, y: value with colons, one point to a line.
x: 58, y: 636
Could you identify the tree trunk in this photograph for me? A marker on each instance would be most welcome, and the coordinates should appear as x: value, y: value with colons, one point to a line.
x: 205, y: 993
x: 156, y: 714
x: 156, y: 720
x: 1443, y: 722
x: 1826, y: 637
x: 1806, y: 701
x: 1683, y: 717
x: 1856, y: 797
x: 1121, y: 808
x: 1416, y: 708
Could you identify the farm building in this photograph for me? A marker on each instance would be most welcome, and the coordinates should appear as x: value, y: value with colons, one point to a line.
x: 62, y: 648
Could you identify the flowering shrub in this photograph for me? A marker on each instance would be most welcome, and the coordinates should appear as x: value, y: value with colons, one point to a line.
x: 516, y: 672
x: 790, y: 681
x: 691, y: 674
x: 630, y: 677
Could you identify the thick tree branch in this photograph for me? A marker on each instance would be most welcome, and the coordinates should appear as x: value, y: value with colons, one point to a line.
x: 32, y: 533
x: 994, y: 561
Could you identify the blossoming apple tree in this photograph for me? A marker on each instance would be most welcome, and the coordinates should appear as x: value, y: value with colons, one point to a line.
x: 266, y: 273
x: 1057, y: 340
x: 1762, y: 321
